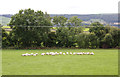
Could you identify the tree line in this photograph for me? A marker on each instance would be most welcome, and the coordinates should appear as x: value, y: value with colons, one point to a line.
x: 37, y: 29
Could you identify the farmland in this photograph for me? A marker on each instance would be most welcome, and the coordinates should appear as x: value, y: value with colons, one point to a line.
x: 103, y: 62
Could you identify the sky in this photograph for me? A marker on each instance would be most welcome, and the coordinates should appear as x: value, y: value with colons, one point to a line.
x: 60, y: 6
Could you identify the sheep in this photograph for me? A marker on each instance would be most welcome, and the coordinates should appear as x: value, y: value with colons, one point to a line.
x: 91, y: 53
x: 42, y: 54
x: 63, y: 53
x: 50, y: 53
x: 60, y: 53
x: 70, y: 53
x: 57, y: 53
x: 67, y: 53
x: 85, y: 53
x: 47, y: 53
x: 53, y: 54
x: 34, y: 54
x: 23, y: 55
x: 28, y: 54
x: 74, y: 53
x: 31, y: 53
x: 78, y: 53
x: 88, y: 53
x: 81, y: 53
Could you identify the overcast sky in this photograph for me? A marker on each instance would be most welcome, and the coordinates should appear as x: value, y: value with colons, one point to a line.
x: 60, y: 6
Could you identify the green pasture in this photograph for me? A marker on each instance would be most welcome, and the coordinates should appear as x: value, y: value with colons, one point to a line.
x: 86, y: 29
x: 5, y: 27
x: 104, y: 62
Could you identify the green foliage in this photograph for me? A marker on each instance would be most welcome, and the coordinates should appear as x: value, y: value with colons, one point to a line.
x: 74, y: 21
x: 59, y: 21
x: 66, y: 36
x: 83, y: 40
x: 5, y: 41
x: 28, y: 30
x: 114, y: 34
x: 108, y: 40
x: 93, y: 41
x: 32, y: 29
x: 108, y: 36
x: 51, y: 42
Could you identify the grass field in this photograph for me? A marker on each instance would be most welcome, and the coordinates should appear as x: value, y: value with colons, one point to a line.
x: 104, y: 62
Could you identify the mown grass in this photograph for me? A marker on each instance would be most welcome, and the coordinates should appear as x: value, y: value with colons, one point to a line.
x: 104, y: 62
x: 86, y: 29
x: 5, y: 27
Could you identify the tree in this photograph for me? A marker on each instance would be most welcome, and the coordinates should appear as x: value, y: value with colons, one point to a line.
x: 51, y: 42
x: 83, y: 40
x: 28, y: 28
x: 67, y: 36
x: 59, y: 20
x: 5, y: 42
x: 114, y: 33
x: 108, y: 41
x: 93, y: 41
x: 74, y: 21
x: 99, y: 31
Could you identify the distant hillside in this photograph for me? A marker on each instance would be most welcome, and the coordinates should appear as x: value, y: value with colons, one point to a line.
x: 7, y: 15
x: 4, y: 20
x: 108, y: 18
x: 87, y: 18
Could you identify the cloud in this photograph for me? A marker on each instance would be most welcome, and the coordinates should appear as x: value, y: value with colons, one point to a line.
x: 61, y: 6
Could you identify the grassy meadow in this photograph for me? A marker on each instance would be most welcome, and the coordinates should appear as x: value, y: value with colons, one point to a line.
x: 103, y: 62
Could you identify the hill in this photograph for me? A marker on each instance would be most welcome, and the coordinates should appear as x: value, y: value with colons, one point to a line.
x: 110, y: 19
x: 4, y: 20
x: 106, y: 18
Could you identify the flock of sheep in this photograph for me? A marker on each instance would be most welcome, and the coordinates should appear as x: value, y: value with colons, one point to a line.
x: 60, y: 53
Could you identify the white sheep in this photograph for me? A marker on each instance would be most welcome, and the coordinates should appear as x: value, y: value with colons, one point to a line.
x: 53, y: 54
x: 60, y: 53
x: 23, y: 55
x: 47, y: 53
x: 78, y: 53
x: 74, y: 53
x: 34, y: 54
x: 63, y: 53
x: 88, y: 53
x: 31, y: 53
x: 85, y: 53
x: 91, y: 53
x: 67, y: 53
x: 57, y: 53
x: 26, y: 54
x: 70, y: 53
x: 50, y: 53
x: 42, y: 54
x: 81, y: 53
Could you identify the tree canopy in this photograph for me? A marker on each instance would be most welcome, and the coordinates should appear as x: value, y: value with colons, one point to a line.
x: 37, y: 29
